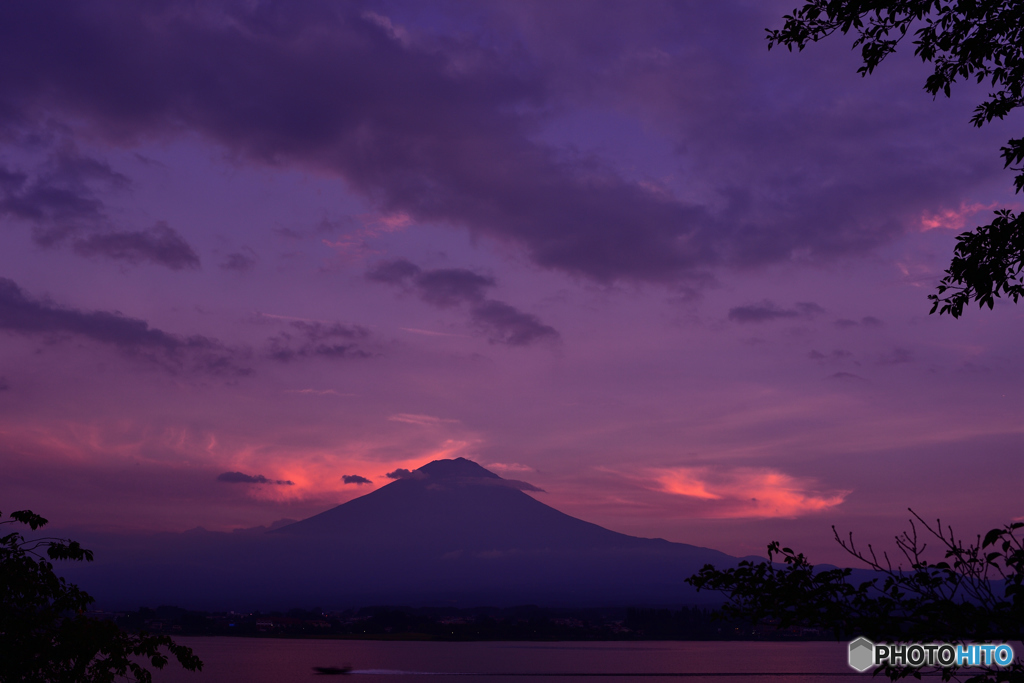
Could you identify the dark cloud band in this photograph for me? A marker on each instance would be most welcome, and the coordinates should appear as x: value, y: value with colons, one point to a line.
x: 62, y: 205
x: 441, y: 129
x: 242, y: 478
x: 23, y: 315
x: 449, y: 287
x: 767, y: 311
x: 319, y: 340
x: 160, y: 245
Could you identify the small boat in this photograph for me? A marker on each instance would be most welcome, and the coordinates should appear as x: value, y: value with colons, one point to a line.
x: 331, y: 670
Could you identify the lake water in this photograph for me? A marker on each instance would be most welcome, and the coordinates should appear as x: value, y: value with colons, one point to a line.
x: 255, y: 660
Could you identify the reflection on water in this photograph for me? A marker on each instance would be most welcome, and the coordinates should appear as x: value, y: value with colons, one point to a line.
x: 254, y: 660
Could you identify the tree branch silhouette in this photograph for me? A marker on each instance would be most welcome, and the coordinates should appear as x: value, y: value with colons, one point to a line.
x: 44, y: 632
x: 954, y: 600
x: 980, y: 40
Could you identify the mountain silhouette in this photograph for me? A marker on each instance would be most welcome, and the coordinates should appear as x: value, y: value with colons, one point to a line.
x: 448, y: 533
x: 457, y: 506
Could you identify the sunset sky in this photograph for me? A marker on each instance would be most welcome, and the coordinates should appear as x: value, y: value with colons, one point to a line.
x: 618, y: 250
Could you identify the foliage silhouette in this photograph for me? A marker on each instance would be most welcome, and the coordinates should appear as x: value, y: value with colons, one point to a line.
x: 975, y: 594
x: 44, y: 633
x: 964, y: 39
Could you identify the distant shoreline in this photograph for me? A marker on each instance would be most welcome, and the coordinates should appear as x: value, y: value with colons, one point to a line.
x: 514, y: 624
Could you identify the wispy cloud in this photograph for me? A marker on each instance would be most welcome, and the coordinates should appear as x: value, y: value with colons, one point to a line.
x: 766, y: 311
x: 28, y: 316
x: 866, y: 321
x: 160, y: 245
x: 61, y: 202
x: 746, y: 491
x: 240, y: 262
x: 241, y: 478
x: 403, y: 473
x: 422, y: 420
x: 453, y: 287
x: 953, y: 219
x: 509, y: 467
x: 431, y: 333
x: 897, y: 356
x: 316, y: 392
x: 315, y: 339
x: 358, y: 242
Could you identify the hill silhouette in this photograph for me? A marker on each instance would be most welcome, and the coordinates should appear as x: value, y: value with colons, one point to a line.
x: 448, y: 533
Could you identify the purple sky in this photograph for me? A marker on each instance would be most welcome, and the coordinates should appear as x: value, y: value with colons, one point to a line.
x: 618, y: 250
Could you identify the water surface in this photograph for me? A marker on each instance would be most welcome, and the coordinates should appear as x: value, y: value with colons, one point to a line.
x: 256, y: 660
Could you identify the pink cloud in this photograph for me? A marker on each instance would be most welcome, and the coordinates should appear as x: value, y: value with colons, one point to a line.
x: 953, y: 219
x: 685, y: 482
x: 357, y: 242
x: 391, y: 222
x: 509, y: 467
x: 745, y: 491
x: 176, y: 472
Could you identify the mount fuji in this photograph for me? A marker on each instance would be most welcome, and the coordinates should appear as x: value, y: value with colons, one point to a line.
x: 449, y: 533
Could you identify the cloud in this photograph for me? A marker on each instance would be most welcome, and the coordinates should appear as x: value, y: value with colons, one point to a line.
x: 61, y: 203
x: 59, y: 198
x: 510, y: 467
x: 846, y: 376
x: 953, y: 219
x: 415, y: 123
x: 766, y: 311
x: 318, y: 331
x: 866, y: 321
x: 835, y: 355
x: 447, y: 126
x: 897, y: 356
x: 355, y: 479
x: 240, y: 478
x: 518, y: 485
x: 238, y: 262
x: 402, y: 473
x: 502, y: 323
x: 430, y: 333
x: 514, y: 484
x: 393, y: 272
x: 22, y: 315
x: 316, y: 392
x: 423, y: 420
x: 442, y: 287
x: 160, y: 245
x: 747, y: 491
x: 313, y: 339
x: 507, y: 325
x: 452, y: 286
x: 57, y: 212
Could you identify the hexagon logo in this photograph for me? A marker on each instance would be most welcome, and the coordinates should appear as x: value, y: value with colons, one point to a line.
x: 862, y: 654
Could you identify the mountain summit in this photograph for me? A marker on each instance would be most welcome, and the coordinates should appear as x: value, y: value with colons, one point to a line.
x: 449, y: 533
x: 455, y: 468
